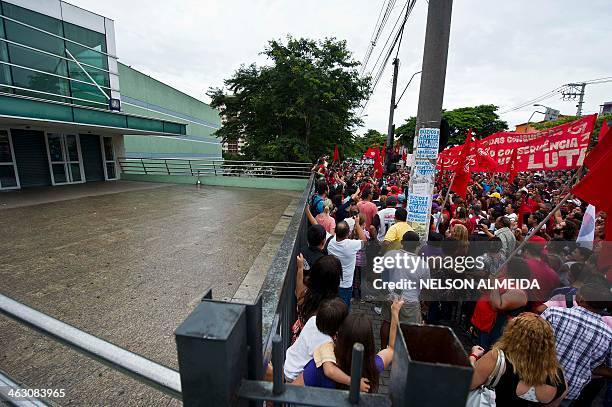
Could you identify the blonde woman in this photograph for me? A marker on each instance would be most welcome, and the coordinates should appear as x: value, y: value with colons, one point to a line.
x: 460, y: 233
x: 533, y: 376
x: 324, y: 218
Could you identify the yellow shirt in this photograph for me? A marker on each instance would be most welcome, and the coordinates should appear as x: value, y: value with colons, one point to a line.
x: 396, y: 233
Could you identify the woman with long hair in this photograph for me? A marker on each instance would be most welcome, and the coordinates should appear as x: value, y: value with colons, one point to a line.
x: 532, y: 375
x: 322, y: 284
x: 356, y: 328
x: 460, y: 233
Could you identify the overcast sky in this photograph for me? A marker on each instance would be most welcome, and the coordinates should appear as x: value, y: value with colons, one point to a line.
x: 501, y: 52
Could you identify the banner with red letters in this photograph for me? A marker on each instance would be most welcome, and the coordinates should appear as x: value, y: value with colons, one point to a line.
x: 559, y: 148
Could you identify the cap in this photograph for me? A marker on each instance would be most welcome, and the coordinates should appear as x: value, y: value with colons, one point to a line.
x: 391, y: 201
x: 495, y: 195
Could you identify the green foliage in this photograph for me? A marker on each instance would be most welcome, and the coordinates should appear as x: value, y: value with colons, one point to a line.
x: 482, y: 119
x: 232, y: 156
x: 298, y: 107
x: 558, y: 122
x: 371, y: 138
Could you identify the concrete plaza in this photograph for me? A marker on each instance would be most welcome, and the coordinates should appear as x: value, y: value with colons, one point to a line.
x: 124, y: 261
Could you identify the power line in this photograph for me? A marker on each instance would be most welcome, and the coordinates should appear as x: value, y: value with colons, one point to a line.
x: 409, y: 6
x: 554, y: 92
x: 378, y: 28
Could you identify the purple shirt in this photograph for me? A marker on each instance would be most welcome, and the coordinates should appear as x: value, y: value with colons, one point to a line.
x: 314, y: 376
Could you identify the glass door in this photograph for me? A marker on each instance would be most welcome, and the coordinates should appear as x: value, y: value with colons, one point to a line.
x: 108, y: 158
x: 9, y: 178
x: 64, y: 151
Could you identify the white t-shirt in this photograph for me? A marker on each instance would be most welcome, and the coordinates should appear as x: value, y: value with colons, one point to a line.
x: 512, y: 216
x: 387, y: 219
x: 346, y: 251
x: 300, y: 353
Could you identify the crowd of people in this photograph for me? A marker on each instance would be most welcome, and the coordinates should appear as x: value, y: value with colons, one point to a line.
x: 555, y: 340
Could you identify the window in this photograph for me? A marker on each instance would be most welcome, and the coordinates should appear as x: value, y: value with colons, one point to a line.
x: 5, y: 70
x: 9, y: 179
x: 53, y: 42
x: 108, y: 158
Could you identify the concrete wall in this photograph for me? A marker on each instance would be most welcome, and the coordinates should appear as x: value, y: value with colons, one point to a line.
x: 145, y: 96
x: 292, y: 184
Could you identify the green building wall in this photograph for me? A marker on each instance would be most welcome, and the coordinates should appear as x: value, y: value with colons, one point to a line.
x: 145, y: 96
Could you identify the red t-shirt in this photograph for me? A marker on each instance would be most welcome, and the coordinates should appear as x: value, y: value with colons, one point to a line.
x: 369, y: 209
x: 547, y: 279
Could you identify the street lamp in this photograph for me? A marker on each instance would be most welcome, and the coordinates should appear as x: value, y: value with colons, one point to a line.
x: 530, y: 117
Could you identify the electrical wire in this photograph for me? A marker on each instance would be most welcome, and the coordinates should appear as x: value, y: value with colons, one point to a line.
x: 409, y: 6
x: 378, y: 28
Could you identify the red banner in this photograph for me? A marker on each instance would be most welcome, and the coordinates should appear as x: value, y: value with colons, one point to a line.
x: 558, y: 148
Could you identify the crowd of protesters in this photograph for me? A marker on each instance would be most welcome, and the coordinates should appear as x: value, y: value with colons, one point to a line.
x: 555, y: 340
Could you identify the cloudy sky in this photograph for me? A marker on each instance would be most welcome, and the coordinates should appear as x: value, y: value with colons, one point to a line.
x: 501, y: 52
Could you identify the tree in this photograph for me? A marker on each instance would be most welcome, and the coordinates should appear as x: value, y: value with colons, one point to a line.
x: 298, y: 107
x: 482, y: 119
x: 371, y: 138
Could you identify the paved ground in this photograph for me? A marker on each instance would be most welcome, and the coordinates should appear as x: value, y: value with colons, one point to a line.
x: 125, y: 266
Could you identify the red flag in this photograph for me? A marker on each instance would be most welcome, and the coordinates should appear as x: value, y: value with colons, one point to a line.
x: 513, y: 172
x: 460, y: 183
x: 604, y: 144
x: 378, y: 167
x: 462, y: 168
x: 371, y: 152
x: 595, y: 186
x: 485, y: 162
x: 603, y: 131
x: 336, y: 153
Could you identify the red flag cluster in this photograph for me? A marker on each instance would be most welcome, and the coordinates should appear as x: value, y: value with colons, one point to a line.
x: 594, y: 187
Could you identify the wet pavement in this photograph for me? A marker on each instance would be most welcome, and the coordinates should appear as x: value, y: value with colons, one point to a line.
x: 128, y: 267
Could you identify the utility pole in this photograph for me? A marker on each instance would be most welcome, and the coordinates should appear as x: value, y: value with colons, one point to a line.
x: 580, y: 100
x: 431, y: 94
x: 573, y: 91
x: 391, y: 128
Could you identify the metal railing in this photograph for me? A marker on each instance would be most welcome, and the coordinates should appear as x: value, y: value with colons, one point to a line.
x: 155, y: 375
x: 217, y: 167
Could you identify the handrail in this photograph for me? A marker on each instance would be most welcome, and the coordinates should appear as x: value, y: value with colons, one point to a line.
x: 301, y: 163
x: 217, y: 167
x: 278, y: 306
x: 6, y: 385
x: 138, y: 367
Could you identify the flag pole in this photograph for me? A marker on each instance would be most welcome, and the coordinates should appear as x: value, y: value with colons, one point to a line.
x: 445, y: 200
x: 542, y: 223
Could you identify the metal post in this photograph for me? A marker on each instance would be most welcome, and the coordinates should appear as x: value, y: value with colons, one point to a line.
x: 213, y: 354
x: 356, y: 369
x: 143, y: 166
x: 278, y: 363
x: 391, y: 128
x: 167, y: 169
x: 580, y: 100
x: 429, y: 114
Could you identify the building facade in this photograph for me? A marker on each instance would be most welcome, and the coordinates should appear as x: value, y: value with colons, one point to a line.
x: 69, y: 110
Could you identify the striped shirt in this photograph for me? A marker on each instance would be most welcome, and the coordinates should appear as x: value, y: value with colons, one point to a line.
x: 583, y: 341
